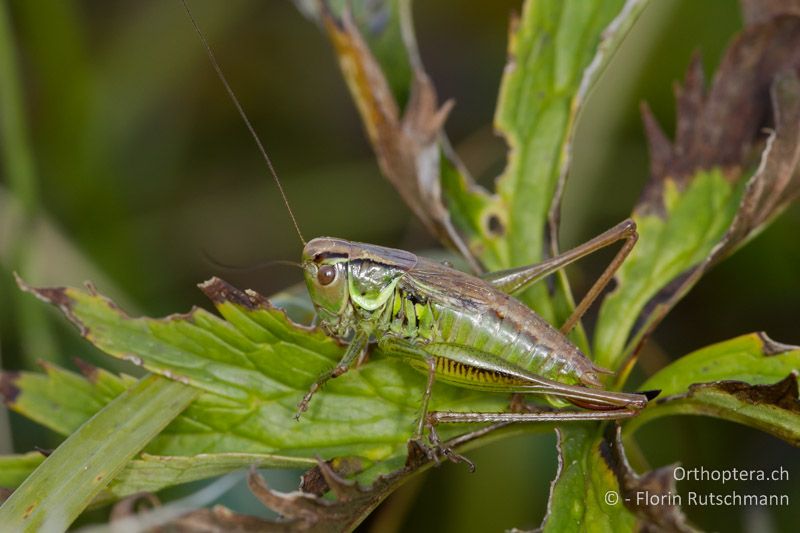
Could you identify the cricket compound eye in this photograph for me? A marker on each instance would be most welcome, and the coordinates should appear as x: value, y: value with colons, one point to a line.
x: 326, y: 274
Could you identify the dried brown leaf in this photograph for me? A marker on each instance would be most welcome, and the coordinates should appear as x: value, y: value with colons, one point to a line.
x: 756, y: 11
x: 135, y: 503
x: 782, y: 394
x: 657, y: 483
x: 774, y: 185
x: 407, y: 146
x: 721, y: 127
x: 218, y: 519
x: 773, y: 407
x: 755, y: 87
x: 304, y: 511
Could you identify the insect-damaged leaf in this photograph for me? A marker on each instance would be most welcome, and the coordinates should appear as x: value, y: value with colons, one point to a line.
x: 253, y: 368
x: 773, y: 408
x: 707, y: 195
x: 753, y: 358
x: 750, y: 379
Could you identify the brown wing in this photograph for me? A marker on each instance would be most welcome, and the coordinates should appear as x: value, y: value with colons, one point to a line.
x: 451, y: 285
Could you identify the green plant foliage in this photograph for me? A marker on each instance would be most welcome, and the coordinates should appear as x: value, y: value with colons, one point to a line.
x: 67, y: 481
x: 751, y: 380
x: 151, y: 473
x: 693, y: 221
x: 551, y: 46
x: 61, y: 400
x: 578, y: 495
x: 15, y: 468
x: 753, y: 359
x: 557, y: 50
x: 732, y: 380
x: 224, y: 388
x: 254, y: 367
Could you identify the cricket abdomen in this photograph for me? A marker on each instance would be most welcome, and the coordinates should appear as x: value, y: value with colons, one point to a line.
x: 516, y: 334
x: 458, y: 372
x: 436, y: 304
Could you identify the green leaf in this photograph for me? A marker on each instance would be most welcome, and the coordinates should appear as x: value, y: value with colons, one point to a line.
x: 150, y: 473
x: 578, y: 500
x: 753, y: 358
x: 692, y: 223
x: 597, y: 490
x: 254, y: 368
x: 557, y: 50
x: 67, y: 481
x: 706, y: 196
x: 15, y: 468
x: 58, y: 399
x: 743, y: 380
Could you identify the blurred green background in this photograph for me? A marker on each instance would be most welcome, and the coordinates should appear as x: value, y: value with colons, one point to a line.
x: 140, y: 168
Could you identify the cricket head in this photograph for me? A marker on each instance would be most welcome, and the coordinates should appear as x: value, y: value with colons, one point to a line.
x: 347, y: 279
x: 325, y: 271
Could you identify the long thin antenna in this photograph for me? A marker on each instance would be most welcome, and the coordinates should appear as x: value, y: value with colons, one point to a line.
x: 246, y: 120
x: 249, y: 268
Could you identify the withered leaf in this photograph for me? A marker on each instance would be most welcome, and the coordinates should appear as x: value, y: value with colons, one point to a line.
x: 218, y: 519
x: 721, y: 126
x: 308, y: 511
x: 773, y: 408
x: 755, y: 87
x: 659, y: 483
x: 304, y: 511
x: 755, y: 11
x: 406, y: 146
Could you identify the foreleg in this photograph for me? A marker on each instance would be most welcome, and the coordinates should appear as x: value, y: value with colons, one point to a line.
x: 354, y: 349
